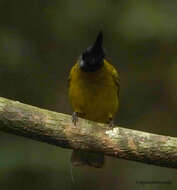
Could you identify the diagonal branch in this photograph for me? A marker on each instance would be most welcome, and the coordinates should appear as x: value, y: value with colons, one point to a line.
x: 56, y: 128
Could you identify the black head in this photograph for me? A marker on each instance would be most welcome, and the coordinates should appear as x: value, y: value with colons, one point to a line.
x: 92, y: 58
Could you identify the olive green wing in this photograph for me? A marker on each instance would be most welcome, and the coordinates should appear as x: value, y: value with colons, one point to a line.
x: 116, y: 77
x: 71, y: 73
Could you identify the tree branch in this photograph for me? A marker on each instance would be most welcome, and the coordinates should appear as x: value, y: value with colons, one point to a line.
x: 57, y: 129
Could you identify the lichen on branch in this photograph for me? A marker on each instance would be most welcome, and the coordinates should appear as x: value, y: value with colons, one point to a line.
x: 57, y: 129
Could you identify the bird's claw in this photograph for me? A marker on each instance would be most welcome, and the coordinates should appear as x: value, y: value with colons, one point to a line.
x: 111, y: 123
x: 74, y: 118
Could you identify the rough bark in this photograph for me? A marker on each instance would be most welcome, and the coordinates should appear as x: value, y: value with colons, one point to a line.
x: 57, y: 129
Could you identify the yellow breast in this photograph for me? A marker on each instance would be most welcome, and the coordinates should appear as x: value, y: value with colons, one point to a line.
x: 95, y: 95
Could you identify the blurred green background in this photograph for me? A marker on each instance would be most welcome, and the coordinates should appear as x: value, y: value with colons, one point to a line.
x: 39, y: 42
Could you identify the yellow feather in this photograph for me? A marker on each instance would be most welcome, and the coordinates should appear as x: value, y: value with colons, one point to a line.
x: 95, y: 95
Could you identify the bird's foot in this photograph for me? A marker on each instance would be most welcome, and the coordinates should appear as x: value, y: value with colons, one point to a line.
x: 111, y: 123
x: 74, y: 118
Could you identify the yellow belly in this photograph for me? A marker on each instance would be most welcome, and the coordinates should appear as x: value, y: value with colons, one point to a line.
x: 94, y: 95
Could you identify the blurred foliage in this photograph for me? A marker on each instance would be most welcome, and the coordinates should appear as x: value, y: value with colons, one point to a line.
x: 41, y: 40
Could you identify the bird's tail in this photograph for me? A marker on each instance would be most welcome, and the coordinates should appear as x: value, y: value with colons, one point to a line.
x: 80, y: 158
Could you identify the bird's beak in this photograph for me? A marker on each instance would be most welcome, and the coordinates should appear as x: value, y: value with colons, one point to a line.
x: 81, y: 64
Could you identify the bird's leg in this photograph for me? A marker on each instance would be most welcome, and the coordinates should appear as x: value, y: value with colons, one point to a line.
x: 75, y: 118
x: 111, y: 123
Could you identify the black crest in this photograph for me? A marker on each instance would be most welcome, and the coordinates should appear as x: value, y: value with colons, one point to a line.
x: 93, y: 56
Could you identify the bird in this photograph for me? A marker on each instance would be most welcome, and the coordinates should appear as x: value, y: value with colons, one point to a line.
x: 94, y: 85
